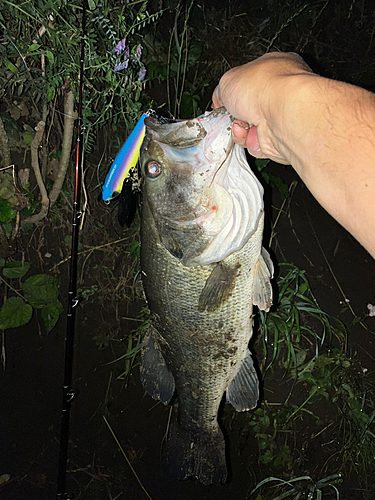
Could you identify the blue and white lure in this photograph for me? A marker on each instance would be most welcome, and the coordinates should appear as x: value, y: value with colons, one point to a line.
x: 125, y: 161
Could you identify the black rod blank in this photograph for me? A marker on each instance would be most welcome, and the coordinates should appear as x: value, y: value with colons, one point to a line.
x: 68, y: 392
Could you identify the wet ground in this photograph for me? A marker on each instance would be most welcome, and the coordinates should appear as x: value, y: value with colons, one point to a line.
x: 30, y: 388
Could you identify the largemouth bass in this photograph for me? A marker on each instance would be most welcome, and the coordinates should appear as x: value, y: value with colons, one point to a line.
x: 203, y: 268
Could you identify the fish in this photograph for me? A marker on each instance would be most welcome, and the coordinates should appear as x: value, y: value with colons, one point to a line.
x: 203, y: 268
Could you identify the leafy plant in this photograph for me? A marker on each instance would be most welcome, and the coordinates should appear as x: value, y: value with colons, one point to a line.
x: 299, y: 341
x: 353, y: 395
x: 39, y: 292
x: 172, y: 61
x: 40, y: 67
x: 265, y: 424
x: 289, y: 323
x: 299, y: 487
x: 270, y: 179
x: 133, y: 343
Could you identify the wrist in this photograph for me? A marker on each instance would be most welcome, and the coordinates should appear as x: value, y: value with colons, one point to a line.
x: 293, y: 116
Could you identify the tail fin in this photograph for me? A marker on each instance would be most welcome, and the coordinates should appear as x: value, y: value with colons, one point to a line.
x: 196, y: 453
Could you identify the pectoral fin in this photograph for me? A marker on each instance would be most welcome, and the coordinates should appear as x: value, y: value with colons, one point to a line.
x: 243, y: 391
x: 156, y: 379
x: 218, y: 288
x: 263, y: 273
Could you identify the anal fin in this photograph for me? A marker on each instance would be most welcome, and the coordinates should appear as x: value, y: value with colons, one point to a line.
x: 243, y: 391
x: 156, y: 379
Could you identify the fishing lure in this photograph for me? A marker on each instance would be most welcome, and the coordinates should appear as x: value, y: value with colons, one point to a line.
x: 125, y: 161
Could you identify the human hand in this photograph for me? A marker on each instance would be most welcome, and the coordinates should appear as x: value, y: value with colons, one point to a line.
x: 254, y: 94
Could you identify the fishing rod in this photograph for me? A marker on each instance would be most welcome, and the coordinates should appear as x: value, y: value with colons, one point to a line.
x: 69, y: 393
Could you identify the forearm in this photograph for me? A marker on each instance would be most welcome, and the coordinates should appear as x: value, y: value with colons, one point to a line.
x: 327, y: 132
x: 325, y: 129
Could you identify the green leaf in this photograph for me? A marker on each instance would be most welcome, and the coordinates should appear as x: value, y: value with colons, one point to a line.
x: 33, y: 46
x: 41, y: 290
x: 51, y: 91
x: 50, y: 56
x: 15, y: 313
x: 194, y: 53
x: 303, y: 288
x: 28, y: 137
x: 135, y: 249
x: 261, y: 163
x: 51, y: 313
x: 16, y: 269
x: 7, y: 227
x: 280, y: 184
x: 11, y: 67
x: 92, y: 5
x: 6, y: 211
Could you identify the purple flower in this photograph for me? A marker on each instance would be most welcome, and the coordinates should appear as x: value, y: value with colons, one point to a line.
x: 121, y: 66
x: 138, y: 52
x: 142, y: 74
x: 120, y: 47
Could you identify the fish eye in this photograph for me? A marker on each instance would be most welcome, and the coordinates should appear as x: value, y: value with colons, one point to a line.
x: 153, y: 169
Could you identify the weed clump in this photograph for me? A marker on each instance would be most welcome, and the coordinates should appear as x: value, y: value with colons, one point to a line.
x: 304, y: 354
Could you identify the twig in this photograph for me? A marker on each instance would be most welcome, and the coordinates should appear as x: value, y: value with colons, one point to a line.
x: 15, y: 229
x: 168, y: 424
x: 126, y: 458
x: 108, y: 388
x: 291, y: 191
x: 285, y: 25
x: 69, y: 117
x: 321, y: 431
x: 35, y: 164
x: 83, y: 265
x: 13, y: 289
x: 132, y: 319
x: 89, y: 250
x: 109, y: 493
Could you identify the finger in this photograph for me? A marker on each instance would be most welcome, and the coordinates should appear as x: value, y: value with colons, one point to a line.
x: 239, y: 131
x: 216, y: 101
x: 252, y: 142
x: 247, y: 137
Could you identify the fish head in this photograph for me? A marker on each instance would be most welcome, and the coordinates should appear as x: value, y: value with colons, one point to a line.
x: 186, y: 167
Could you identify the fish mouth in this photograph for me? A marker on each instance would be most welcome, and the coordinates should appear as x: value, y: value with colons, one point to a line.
x: 154, y: 119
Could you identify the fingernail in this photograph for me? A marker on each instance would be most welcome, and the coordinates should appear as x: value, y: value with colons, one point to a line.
x: 242, y: 124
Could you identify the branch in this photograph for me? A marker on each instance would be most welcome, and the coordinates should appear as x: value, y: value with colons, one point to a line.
x: 35, y: 164
x: 70, y: 116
